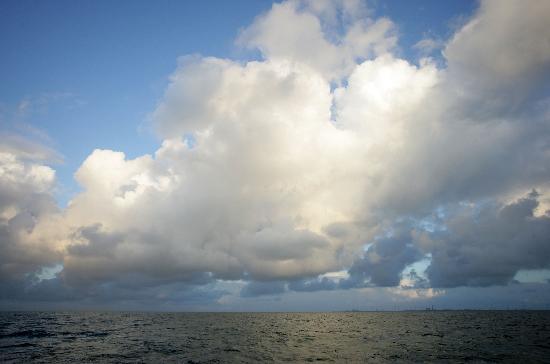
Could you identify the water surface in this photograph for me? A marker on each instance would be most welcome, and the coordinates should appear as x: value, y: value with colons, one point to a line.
x: 438, y: 336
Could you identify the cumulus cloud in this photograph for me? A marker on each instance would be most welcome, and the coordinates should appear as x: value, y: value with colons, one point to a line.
x: 328, y: 36
x: 279, y: 170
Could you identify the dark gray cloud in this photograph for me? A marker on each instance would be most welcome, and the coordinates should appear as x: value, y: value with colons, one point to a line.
x: 381, y: 265
x: 384, y: 261
x: 258, y: 288
x: 55, y: 293
x: 489, y: 246
x: 476, y: 245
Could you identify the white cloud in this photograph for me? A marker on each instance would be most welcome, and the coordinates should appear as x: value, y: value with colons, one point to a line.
x: 328, y: 36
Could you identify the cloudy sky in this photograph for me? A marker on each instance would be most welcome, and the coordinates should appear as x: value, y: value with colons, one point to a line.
x: 297, y: 155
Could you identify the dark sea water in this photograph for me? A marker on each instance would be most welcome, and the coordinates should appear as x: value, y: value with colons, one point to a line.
x: 437, y: 336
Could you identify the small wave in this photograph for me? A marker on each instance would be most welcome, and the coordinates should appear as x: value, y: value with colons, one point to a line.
x: 22, y: 345
x: 84, y: 333
x: 28, y: 334
x: 232, y: 349
x: 432, y: 334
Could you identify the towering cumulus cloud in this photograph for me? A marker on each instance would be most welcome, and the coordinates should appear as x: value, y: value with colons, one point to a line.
x: 329, y: 154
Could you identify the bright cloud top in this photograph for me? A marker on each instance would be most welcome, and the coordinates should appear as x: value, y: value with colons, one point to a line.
x: 329, y: 154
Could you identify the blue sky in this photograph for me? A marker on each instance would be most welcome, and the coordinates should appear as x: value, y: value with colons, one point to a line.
x: 258, y: 155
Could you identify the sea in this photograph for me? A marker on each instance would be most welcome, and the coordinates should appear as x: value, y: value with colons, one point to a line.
x: 343, y: 337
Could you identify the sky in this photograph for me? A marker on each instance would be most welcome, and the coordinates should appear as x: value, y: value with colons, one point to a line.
x: 274, y: 156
